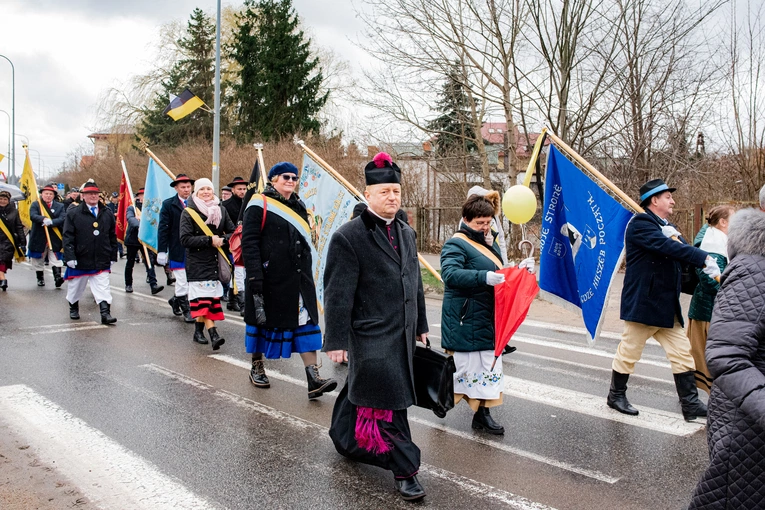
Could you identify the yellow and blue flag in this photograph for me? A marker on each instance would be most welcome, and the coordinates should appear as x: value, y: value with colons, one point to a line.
x: 183, y: 105
x: 156, y: 190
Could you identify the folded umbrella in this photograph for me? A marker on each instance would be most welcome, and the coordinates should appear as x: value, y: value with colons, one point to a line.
x: 512, y: 300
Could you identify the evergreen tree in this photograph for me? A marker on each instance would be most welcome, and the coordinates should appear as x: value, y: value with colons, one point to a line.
x: 278, y: 91
x: 195, y: 70
x: 454, y: 131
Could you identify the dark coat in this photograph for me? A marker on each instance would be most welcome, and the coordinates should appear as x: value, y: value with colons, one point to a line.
x: 10, y: 216
x: 37, y: 240
x: 279, y: 265
x: 735, y: 354
x: 704, y: 296
x: 201, y: 256
x: 133, y: 224
x: 374, y: 309
x: 233, y: 206
x: 467, y: 314
x: 651, y: 292
x: 91, y: 251
x: 168, y: 237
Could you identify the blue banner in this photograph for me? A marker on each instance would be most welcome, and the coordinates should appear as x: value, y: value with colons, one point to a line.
x: 582, y: 240
x: 329, y: 205
x: 156, y: 190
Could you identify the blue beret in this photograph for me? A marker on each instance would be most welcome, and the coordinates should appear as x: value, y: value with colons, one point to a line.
x: 282, y: 168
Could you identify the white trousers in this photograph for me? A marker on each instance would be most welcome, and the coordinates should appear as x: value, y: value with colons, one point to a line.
x: 99, y: 287
x: 239, y: 277
x: 53, y: 259
x: 181, y: 283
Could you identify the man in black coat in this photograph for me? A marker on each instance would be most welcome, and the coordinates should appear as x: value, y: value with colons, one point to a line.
x: 133, y: 246
x: 375, y: 313
x: 233, y: 206
x: 51, y: 219
x: 170, y: 251
x: 90, y: 249
x: 650, y: 307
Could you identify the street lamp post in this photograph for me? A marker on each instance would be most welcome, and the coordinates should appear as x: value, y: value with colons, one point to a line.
x: 9, y: 142
x: 13, y: 115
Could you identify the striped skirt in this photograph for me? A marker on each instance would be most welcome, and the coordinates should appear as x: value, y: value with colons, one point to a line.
x: 281, y: 343
x: 204, y: 300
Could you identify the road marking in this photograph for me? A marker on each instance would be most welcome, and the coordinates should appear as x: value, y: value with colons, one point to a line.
x: 107, y: 473
x: 65, y: 324
x: 467, y: 484
x: 66, y: 330
x: 591, y: 405
x: 494, y: 444
x: 569, y: 329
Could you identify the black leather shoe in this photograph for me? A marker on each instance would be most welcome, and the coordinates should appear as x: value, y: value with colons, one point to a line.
x: 316, y: 385
x: 215, y: 339
x: 183, y: 302
x: 156, y: 289
x: 128, y: 288
x: 106, y: 317
x: 57, y: 279
x: 74, y: 310
x: 199, y: 333
x: 689, y: 396
x: 40, y: 278
x: 617, y: 395
x: 509, y: 349
x: 482, y: 420
x: 4, y: 285
x: 409, y: 488
x: 173, y: 301
x: 258, y: 375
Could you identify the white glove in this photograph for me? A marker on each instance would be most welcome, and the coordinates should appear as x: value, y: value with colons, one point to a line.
x: 71, y: 263
x: 162, y: 258
x: 47, y: 222
x: 711, y: 268
x: 670, y: 231
x: 528, y: 264
x: 493, y: 278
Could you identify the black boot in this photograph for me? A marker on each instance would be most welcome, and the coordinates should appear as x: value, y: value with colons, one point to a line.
x: 409, y: 488
x: 199, y: 333
x: 316, y: 385
x: 4, y: 285
x: 40, y: 278
x: 175, y: 303
x: 689, y: 396
x: 183, y: 301
x: 74, y: 310
x: 215, y: 339
x: 170, y: 278
x: 105, y: 317
x: 156, y: 289
x: 233, y: 301
x: 59, y: 281
x: 617, y: 395
x: 240, y: 297
x: 482, y: 420
x: 258, y: 375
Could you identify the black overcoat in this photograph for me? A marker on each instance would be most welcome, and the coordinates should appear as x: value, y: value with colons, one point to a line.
x: 168, y: 237
x: 201, y: 255
x: 90, y: 240
x: 37, y: 239
x: 10, y: 216
x: 279, y: 265
x: 374, y: 308
x: 651, y: 292
x: 233, y: 206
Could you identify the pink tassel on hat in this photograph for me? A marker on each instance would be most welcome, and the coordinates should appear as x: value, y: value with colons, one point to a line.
x: 381, y: 158
x: 368, y: 431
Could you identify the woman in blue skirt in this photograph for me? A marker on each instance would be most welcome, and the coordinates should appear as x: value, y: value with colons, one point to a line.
x: 281, y: 311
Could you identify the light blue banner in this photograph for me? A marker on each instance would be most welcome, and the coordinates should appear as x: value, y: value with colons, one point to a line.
x: 156, y: 190
x: 329, y: 205
x: 582, y: 240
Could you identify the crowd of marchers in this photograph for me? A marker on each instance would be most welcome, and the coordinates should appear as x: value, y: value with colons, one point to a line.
x: 375, y: 307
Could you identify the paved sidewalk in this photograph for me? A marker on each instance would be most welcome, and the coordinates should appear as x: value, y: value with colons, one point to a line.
x: 544, y: 311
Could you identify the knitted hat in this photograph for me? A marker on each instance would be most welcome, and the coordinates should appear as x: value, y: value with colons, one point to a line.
x: 382, y: 170
x: 201, y: 183
x: 283, y: 167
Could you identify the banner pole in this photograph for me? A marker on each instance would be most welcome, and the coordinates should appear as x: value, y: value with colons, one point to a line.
x: 145, y: 147
x: 261, y: 179
x: 602, y: 178
x: 39, y: 200
x: 135, y: 209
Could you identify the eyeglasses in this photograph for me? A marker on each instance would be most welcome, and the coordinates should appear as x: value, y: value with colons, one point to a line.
x: 290, y: 177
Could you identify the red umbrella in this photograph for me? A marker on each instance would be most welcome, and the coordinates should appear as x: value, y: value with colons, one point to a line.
x: 512, y: 300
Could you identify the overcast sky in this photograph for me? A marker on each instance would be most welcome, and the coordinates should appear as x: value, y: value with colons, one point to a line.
x: 67, y: 52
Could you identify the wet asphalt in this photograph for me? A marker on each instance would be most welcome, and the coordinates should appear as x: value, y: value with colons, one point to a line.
x: 145, y: 384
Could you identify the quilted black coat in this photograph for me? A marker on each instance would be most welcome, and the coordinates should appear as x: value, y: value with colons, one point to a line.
x: 735, y: 478
x: 201, y: 256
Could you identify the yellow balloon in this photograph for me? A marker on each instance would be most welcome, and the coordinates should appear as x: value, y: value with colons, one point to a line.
x: 519, y: 204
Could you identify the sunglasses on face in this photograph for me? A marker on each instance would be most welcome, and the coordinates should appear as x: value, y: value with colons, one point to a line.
x: 290, y: 177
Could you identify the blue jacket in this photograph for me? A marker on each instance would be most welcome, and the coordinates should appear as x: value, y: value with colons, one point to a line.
x: 651, y: 293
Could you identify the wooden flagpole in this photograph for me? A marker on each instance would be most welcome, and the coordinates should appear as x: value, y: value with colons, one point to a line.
x: 39, y: 200
x: 135, y: 209
x: 353, y: 190
x: 145, y: 147
x: 261, y: 179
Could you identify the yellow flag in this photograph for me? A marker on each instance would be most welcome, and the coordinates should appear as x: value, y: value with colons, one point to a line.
x: 1, y: 158
x: 28, y: 185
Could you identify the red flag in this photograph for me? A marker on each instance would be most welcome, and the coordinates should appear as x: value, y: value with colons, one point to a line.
x: 122, y: 206
x: 512, y: 300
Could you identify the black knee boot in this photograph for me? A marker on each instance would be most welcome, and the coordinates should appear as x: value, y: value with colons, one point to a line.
x: 40, y: 278
x: 105, y: 311
x: 617, y: 395
x: 183, y: 301
x: 58, y: 280
x: 689, y: 396
x: 233, y: 301
x: 74, y: 310
x: 175, y: 303
x: 199, y: 333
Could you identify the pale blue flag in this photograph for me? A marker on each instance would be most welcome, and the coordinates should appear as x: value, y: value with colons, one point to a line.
x: 329, y: 205
x: 156, y: 190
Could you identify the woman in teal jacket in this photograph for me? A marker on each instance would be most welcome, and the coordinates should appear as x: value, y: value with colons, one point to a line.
x: 469, y: 262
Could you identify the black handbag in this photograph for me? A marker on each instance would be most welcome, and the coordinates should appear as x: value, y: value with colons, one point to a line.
x: 434, y: 380
x: 689, y: 279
